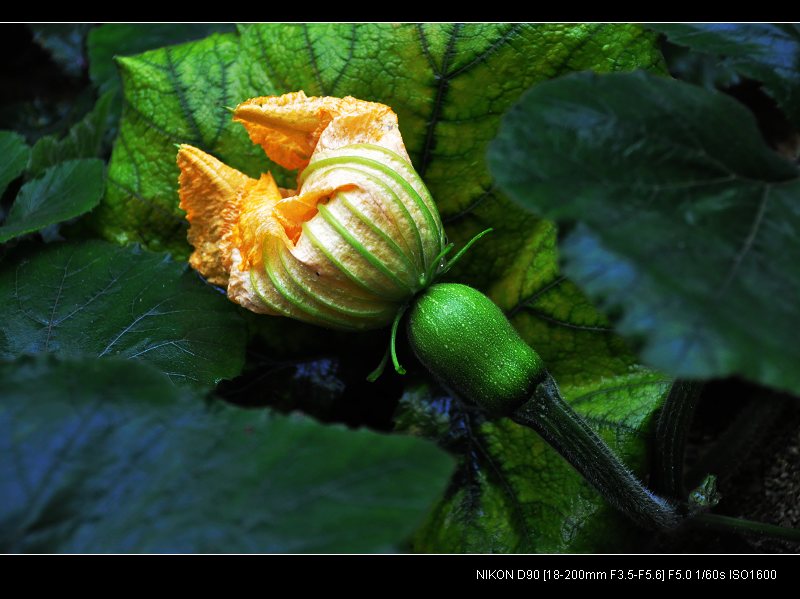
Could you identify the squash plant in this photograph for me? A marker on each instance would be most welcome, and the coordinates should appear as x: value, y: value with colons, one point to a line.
x: 141, y: 411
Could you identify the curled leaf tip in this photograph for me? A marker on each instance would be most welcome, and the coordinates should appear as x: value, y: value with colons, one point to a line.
x: 355, y: 240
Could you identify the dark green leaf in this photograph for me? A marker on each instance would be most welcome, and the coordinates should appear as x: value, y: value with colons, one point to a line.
x: 698, y: 68
x: 65, y: 43
x: 84, y: 140
x: 64, y: 191
x: 15, y: 153
x: 100, y: 299
x: 689, y: 223
x: 124, y: 39
x: 108, y: 456
x: 48, y: 113
x: 761, y: 51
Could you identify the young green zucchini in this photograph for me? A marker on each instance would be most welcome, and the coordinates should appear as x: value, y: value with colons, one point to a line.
x: 464, y: 339
x: 469, y: 345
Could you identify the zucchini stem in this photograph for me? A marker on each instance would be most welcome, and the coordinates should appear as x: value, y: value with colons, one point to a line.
x: 548, y: 414
x: 747, y: 527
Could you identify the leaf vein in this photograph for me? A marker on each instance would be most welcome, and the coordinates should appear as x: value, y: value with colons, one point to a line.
x: 439, y: 100
x: 483, y: 56
x: 183, y: 100
x: 350, y: 53
x: 51, y: 321
x: 313, y: 63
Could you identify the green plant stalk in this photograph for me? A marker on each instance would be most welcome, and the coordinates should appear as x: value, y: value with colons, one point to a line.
x: 748, y: 527
x: 554, y: 419
x: 469, y: 345
x: 672, y: 429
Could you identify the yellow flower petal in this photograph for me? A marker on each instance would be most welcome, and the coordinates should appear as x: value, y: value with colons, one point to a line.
x: 257, y: 220
x: 292, y: 127
x: 209, y: 193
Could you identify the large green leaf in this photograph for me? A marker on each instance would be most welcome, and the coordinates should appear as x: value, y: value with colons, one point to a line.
x: 689, y: 223
x: 15, y: 153
x: 99, y: 299
x: 123, y: 39
x: 83, y: 140
x: 512, y: 492
x: 141, y: 195
x: 765, y: 52
x: 108, y: 456
x: 110, y: 41
x: 449, y: 85
x: 64, y: 191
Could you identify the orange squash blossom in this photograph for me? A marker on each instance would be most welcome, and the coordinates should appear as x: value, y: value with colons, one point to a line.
x: 356, y: 239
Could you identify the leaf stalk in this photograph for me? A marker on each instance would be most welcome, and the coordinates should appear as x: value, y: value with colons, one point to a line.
x: 548, y: 414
